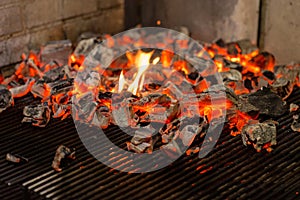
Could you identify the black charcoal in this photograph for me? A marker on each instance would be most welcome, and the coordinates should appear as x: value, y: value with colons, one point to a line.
x: 264, y: 102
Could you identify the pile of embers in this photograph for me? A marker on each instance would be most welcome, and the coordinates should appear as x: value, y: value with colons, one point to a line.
x: 154, y: 98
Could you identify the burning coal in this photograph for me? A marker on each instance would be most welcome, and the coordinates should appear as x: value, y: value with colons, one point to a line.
x: 133, y: 92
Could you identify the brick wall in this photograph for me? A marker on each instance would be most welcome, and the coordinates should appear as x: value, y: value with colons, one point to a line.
x: 27, y: 24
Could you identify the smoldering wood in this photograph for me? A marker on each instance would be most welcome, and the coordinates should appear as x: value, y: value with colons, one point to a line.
x: 85, y: 46
x: 31, y: 63
x: 93, y: 79
x: 172, y: 90
x: 123, y: 115
x: 233, y: 49
x: 38, y: 89
x: 6, y: 98
x: 15, y: 158
x: 37, y: 115
x: 259, y: 134
x: 102, y: 117
x: 296, y: 123
x: 188, y: 133
x: 263, y: 101
x: 44, y: 90
x: 293, y: 107
x: 290, y: 72
x: 22, y: 90
x: 143, y: 134
x: 61, y: 110
x: 140, y: 148
x: 263, y: 60
x: 86, y: 106
x: 153, y: 99
x: 62, y: 153
x: 61, y: 86
x: 172, y: 148
x: 231, y: 75
x: 232, y: 65
x: 246, y: 46
x: 170, y: 130
x: 269, y: 74
x: 201, y: 65
x: 56, y: 74
x: 282, y: 87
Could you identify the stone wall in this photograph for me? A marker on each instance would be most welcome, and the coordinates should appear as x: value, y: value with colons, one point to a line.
x: 206, y: 19
x: 28, y: 24
x: 281, y: 31
x: 274, y: 23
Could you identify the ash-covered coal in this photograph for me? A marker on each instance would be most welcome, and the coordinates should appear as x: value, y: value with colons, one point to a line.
x: 15, y: 158
x: 37, y: 115
x: 62, y: 156
x: 296, y: 123
x: 6, y: 99
x: 170, y: 93
x: 263, y: 102
x: 260, y: 134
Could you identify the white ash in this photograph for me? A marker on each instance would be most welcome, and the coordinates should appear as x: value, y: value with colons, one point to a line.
x: 37, y: 115
x: 296, y: 123
x: 63, y: 153
x: 259, y: 134
x: 293, y: 107
x: 6, y: 98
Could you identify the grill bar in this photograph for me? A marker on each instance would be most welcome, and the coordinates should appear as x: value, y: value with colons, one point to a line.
x: 231, y: 171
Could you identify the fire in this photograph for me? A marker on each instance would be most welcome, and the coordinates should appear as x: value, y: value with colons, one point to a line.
x: 141, y: 62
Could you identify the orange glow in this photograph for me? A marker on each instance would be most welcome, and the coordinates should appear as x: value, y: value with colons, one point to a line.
x: 166, y: 58
x: 181, y: 65
x: 131, y: 74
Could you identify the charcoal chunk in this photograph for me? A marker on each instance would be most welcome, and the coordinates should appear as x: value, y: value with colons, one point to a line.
x: 293, y: 107
x: 264, y: 102
x: 231, y: 75
x: 260, y: 134
x: 282, y: 87
x: 296, y: 123
x: 37, y: 115
x: 63, y: 153
x: 15, y: 158
x: 5, y: 98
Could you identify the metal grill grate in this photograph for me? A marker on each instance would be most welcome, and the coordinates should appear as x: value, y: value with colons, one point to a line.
x: 231, y: 171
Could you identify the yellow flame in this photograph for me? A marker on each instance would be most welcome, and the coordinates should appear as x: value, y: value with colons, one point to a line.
x: 156, y: 60
x: 121, y: 82
x: 141, y: 61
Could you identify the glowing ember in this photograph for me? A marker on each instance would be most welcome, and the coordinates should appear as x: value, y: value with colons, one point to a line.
x: 154, y: 88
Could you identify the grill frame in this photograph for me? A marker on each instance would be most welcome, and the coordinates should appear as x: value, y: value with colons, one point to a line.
x: 233, y: 171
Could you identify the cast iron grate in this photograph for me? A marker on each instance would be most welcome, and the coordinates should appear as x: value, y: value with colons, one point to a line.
x: 231, y: 171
